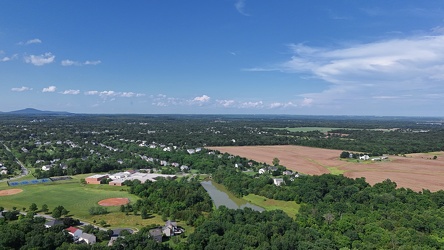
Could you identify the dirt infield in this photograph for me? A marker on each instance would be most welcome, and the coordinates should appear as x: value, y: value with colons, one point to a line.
x: 10, y: 192
x: 415, y: 171
x: 113, y: 202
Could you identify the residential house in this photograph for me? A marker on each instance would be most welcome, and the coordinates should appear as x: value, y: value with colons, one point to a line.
x: 52, y: 223
x: 74, y: 232
x: 46, y: 167
x: 184, y: 168
x: 3, y: 169
x: 364, y: 157
x: 171, y: 229
x: 156, y: 234
x: 287, y: 172
x: 191, y: 151
x: 88, y: 238
x: 278, y: 181
x: 238, y: 165
x: 263, y: 171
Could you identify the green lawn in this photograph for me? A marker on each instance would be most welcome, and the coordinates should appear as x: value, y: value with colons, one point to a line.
x: 291, y: 208
x: 75, y: 197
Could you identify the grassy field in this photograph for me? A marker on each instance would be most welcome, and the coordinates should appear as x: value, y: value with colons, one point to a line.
x: 74, y: 196
x: 291, y: 208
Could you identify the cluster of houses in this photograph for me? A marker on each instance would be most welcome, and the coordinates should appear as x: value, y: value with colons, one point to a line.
x: 117, y: 179
x: 77, y: 233
x: 279, y: 181
x: 170, y: 229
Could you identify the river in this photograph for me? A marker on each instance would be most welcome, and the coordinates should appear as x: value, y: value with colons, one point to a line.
x: 220, y: 197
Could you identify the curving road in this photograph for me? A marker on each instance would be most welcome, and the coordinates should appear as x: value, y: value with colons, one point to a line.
x: 24, y: 170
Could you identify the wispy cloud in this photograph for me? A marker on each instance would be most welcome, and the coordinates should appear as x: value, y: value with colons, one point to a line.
x: 4, y: 58
x: 71, y: 92
x: 412, y: 66
x: 276, y: 105
x: 240, y: 7
x: 200, y: 100
x: 226, y: 103
x: 49, y: 89
x: 31, y: 41
x: 92, y: 62
x: 40, y: 60
x: 68, y: 62
x: 21, y: 89
x: 257, y: 104
x: 111, y: 93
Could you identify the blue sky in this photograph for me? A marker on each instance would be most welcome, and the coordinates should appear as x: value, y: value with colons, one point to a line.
x: 223, y: 57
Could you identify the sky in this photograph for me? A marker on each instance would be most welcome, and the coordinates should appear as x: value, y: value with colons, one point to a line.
x: 305, y: 57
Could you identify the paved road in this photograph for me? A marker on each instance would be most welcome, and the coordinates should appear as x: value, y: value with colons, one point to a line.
x: 24, y: 171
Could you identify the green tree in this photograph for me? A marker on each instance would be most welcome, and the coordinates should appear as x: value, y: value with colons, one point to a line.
x: 33, y: 207
x: 276, y: 161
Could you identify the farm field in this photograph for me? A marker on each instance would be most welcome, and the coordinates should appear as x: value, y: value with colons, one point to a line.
x: 414, y: 171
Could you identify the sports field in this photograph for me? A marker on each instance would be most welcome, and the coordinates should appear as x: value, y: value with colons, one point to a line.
x: 415, y: 171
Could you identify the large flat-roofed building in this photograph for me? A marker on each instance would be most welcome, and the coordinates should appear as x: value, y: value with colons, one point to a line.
x: 95, y: 179
x: 142, y: 177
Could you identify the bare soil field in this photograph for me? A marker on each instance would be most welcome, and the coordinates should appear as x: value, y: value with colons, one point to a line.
x: 414, y: 171
x: 10, y: 192
x: 114, y: 202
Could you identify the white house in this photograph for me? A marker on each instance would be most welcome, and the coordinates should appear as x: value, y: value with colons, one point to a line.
x: 74, y: 232
x: 46, y: 167
x: 88, y: 238
x: 278, y: 181
x: 184, y: 168
x: 263, y: 171
x: 364, y: 157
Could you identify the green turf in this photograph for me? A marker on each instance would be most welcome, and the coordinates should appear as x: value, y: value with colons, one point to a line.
x: 75, y: 197
x: 291, y: 208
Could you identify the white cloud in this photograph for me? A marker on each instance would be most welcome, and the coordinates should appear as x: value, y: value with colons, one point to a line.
x: 306, y: 102
x: 68, y: 62
x: 110, y: 93
x: 92, y: 92
x: 226, y: 103
x: 49, y: 89
x: 258, y: 104
x: 21, y: 89
x: 71, y: 92
x: 92, y: 62
x: 33, y: 41
x: 360, y: 73
x: 240, y: 7
x: 203, y: 98
x: 40, y: 60
x: 8, y: 58
x: 275, y: 105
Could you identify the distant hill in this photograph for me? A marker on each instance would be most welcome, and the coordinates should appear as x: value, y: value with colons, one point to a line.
x: 31, y: 111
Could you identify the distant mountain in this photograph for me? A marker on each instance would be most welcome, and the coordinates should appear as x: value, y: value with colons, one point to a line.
x: 31, y: 111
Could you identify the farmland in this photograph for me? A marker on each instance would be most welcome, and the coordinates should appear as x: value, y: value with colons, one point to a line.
x: 416, y: 171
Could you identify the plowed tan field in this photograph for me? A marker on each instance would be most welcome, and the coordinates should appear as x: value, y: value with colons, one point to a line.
x: 415, y: 171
